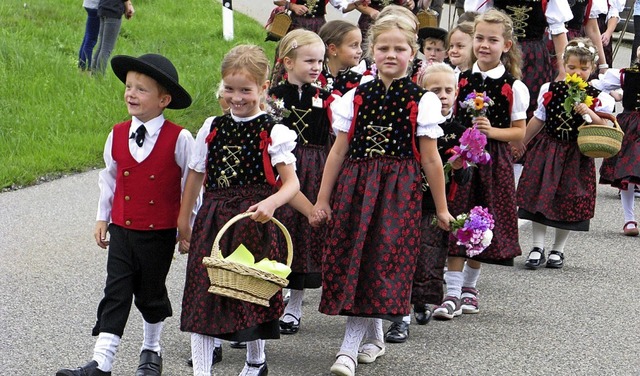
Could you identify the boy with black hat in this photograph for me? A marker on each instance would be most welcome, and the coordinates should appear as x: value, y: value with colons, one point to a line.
x: 140, y: 192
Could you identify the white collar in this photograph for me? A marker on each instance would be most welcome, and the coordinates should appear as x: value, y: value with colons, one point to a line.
x: 494, y: 73
x: 152, y: 126
x: 243, y: 119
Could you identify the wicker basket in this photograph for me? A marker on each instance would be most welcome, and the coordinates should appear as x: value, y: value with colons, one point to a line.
x: 279, y: 27
x: 427, y: 18
x: 240, y: 281
x: 600, y: 141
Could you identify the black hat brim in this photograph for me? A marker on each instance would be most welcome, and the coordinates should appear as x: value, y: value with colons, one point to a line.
x: 157, y: 67
x: 433, y: 32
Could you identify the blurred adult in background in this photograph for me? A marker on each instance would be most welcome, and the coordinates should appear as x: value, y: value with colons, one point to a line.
x: 91, y: 29
x: 110, y: 13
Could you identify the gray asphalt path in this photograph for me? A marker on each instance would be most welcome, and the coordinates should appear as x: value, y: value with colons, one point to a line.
x: 581, y: 320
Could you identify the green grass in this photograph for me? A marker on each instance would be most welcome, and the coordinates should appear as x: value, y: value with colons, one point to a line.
x: 55, y: 119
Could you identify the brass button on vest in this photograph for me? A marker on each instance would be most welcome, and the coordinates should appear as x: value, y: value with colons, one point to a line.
x: 151, y: 202
x: 127, y: 198
x: 127, y: 222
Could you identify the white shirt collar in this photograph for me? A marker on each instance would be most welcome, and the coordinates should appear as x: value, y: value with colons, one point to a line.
x: 152, y: 126
x: 494, y: 73
x: 241, y: 119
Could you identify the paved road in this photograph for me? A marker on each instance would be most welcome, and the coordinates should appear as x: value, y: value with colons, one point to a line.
x: 581, y: 320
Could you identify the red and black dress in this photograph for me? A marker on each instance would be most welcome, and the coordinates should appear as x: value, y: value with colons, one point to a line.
x: 231, y: 151
x: 342, y: 82
x: 492, y: 185
x: 373, y: 238
x: 309, y: 119
x: 434, y: 241
x: 558, y: 184
x: 624, y: 168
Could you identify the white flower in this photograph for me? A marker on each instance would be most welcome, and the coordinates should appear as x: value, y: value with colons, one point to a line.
x: 486, y: 238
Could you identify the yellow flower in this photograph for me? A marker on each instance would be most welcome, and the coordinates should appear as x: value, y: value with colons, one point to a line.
x: 571, y: 78
x: 582, y: 84
x: 588, y: 100
x: 478, y: 103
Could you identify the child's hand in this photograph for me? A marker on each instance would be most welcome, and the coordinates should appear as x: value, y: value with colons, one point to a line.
x: 456, y: 164
x: 263, y: 211
x: 517, y: 149
x: 322, y: 211
x: 444, y: 219
x: 317, y: 218
x: 100, y: 234
x: 483, y: 125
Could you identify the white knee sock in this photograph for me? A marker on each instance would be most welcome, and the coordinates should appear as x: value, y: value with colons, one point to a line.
x: 217, y: 342
x: 471, y: 276
x: 627, y: 198
x: 560, y: 240
x: 294, y: 308
x: 354, y: 334
x: 105, y: 350
x: 152, y: 334
x: 406, y: 319
x: 202, y: 354
x: 538, y: 233
x: 454, y: 283
x: 255, y: 351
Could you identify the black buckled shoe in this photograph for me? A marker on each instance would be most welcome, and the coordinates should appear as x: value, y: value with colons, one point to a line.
x: 150, y: 364
x: 554, y: 263
x: 89, y: 369
x: 217, y: 357
x: 398, y: 332
x: 290, y: 327
x: 422, y: 313
x: 237, y: 345
x: 250, y: 369
x: 535, y: 263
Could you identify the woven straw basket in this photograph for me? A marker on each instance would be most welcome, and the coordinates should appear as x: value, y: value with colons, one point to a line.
x: 279, y: 27
x: 240, y: 281
x: 427, y: 18
x: 600, y: 141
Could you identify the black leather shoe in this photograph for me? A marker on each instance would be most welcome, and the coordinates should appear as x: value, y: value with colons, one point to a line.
x: 533, y: 263
x: 422, y: 313
x: 217, y: 357
x: 89, y: 369
x: 150, y: 364
x: 290, y: 327
x: 398, y: 332
x: 264, y: 370
x: 553, y: 263
x: 237, y: 345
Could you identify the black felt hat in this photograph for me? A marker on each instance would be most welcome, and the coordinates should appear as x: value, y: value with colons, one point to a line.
x: 432, y: 32
x: 157, y: 67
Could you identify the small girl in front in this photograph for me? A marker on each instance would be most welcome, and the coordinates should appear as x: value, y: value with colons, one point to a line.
x: 623, y: 170
x: 235, y: 157
x: 492, y: 185
x: 386, y: 131
x: 302, y: 54
x: 558, y: 183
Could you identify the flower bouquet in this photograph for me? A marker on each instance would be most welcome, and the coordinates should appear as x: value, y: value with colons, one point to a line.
x: 275, y: 108
x: 472, y: 142
x: 577, y: 94
x: 473, y: 230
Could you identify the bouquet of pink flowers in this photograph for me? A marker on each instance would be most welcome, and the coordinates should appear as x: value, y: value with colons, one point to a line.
x: 473, y: 230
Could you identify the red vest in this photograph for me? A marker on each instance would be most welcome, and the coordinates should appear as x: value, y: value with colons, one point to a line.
x: 147, y: 195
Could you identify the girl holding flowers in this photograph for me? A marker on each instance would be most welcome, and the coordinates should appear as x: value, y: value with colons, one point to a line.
x: 558, y: 183
x: 495, y: 74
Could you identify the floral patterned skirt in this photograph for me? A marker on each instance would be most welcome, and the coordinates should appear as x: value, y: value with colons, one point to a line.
x: 558, y: 185
x: 624, y: 168
x: 307, y: 241
x: 219, y: 316
x: 492, y: 186
x: 370, y: 255
x: 429, y: 276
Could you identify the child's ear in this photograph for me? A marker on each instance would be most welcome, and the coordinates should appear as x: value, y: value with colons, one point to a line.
x: 507, y: 45
x: 165, y: 100
x: 287, y: 62
x: 332, y: 50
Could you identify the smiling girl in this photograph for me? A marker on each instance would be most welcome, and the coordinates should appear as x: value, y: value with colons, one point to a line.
x: 492, y: 186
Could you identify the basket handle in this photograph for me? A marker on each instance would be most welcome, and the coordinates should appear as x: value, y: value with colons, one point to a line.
x: 216, y: 252
x: 608, y: 116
